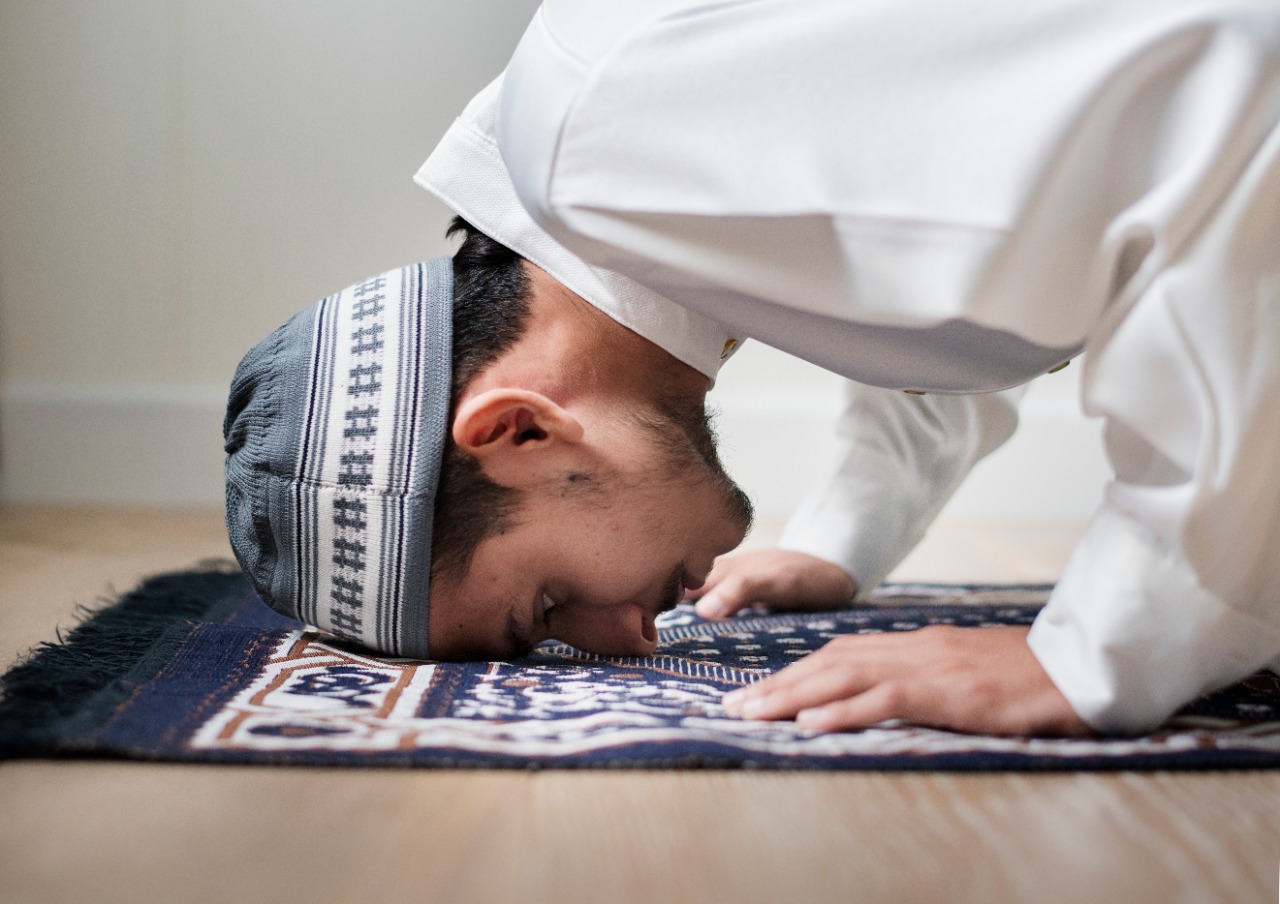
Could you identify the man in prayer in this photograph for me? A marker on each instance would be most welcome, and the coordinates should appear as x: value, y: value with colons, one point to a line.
x: 939, y: 202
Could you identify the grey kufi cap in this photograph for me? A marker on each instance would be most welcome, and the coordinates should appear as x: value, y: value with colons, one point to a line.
x: 335, y: 429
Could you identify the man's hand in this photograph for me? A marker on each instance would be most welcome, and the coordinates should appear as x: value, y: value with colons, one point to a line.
x: 776, y: 578
x: 977, y: 680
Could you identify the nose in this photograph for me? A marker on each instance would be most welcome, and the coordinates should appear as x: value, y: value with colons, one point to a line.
x: 727, y: 535
x: 725, y: 540
x: 622, y: 630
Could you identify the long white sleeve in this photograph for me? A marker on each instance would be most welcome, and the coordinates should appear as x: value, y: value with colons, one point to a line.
x: 1175, y: 589
x: 903, y: 456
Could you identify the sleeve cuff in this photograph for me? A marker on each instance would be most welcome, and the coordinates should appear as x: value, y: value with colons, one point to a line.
x: 904, y: 457
x: 859, y: 522
x: 1129, y: 635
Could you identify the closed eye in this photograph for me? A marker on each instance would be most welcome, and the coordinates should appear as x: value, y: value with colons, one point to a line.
x: 519, y: 637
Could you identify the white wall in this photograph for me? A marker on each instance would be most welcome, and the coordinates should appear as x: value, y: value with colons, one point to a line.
x: 776, y: 428
x: 178, y: 176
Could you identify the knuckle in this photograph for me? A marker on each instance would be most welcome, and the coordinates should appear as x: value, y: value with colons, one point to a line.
x: 835, y: 658
x: 976, y: 690
x: 895, y: 695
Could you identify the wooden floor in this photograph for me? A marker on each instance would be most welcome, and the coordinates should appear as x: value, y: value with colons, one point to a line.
x: 108, y: 832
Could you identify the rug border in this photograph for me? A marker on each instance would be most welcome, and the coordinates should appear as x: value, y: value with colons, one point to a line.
x: 129, y: 641
x: 72, y: 685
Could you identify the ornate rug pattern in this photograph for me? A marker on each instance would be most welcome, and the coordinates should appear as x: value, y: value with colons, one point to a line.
x: 193, y: 667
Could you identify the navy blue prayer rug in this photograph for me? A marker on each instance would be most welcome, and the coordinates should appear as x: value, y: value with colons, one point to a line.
x: 193, y: 667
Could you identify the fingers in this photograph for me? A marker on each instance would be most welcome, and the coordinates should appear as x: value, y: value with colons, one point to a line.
x: 967, y: 679
x: 891, y: 700
x: 823, y: 693
x: 787, y: 699
x: 777, y: 578
x: 823, y: 703
x: 841, y: 669
x: 729, y: 594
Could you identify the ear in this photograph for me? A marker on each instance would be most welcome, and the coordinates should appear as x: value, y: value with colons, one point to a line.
x: 502, y: 429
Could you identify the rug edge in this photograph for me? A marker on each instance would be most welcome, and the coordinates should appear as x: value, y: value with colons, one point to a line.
x: 72, y: 683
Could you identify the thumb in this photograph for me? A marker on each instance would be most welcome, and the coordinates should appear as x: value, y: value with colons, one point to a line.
x: 724, y: 598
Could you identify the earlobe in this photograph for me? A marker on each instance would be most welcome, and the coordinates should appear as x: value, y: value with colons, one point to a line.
x: 499, y: 422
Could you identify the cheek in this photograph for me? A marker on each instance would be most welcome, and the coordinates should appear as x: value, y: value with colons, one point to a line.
x: 610, y: 531
x: 618, y: 564
x: 619, y: 537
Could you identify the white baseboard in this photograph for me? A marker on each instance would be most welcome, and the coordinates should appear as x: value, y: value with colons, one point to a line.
x: 159, y: 445
x: 111, y: 445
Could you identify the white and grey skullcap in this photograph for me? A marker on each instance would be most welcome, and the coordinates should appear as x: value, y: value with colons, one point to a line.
x: 335, y: 429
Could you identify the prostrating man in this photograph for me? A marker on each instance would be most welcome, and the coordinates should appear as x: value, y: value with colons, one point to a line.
x: 938, y: 202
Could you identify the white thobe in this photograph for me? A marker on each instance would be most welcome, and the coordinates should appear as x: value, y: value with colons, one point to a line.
x: 951, y: 199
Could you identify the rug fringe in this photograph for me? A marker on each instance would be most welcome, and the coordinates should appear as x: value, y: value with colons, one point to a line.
x: 56, y: 683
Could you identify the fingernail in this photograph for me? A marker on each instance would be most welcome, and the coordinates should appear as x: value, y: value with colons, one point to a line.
x: 752, y: 708
x: 810, y: 718
x: 732, y: 700
x: 710, y: 606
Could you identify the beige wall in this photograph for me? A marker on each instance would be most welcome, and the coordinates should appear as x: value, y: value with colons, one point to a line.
x: 178, y: 176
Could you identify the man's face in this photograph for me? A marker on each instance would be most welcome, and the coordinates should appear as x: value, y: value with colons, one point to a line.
x: 596, y: 555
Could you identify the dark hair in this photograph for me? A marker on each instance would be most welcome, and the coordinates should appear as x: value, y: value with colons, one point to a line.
x: 490, y: 312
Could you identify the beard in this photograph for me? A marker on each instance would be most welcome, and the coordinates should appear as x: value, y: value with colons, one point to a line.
x: 685, y: 434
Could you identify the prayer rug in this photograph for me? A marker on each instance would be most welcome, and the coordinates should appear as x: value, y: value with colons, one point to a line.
x: 193, y: 667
